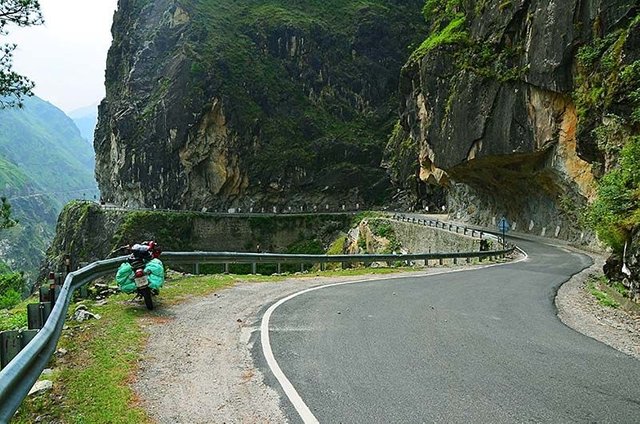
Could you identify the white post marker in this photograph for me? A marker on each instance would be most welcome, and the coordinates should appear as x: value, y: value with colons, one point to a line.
x: 625, y: 269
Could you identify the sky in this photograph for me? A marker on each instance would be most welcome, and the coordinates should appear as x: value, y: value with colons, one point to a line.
x: 66, y: 56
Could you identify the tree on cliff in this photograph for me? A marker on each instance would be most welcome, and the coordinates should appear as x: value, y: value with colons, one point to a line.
x: 13, y: 86
x: 5, y: 214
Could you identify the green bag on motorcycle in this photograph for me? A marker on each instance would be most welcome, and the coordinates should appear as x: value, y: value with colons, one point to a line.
x: 155, y: 273
x: 125, y: 278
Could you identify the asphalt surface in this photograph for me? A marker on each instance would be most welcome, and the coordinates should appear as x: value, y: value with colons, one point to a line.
x: 481, y: 346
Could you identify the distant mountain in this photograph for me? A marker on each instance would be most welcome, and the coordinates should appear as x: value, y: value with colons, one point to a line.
x: 86, y: 119
x: 44, y: 163
x: 22, y: 247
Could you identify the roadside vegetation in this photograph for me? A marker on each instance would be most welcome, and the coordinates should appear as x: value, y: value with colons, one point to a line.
x: 616, y: 211
x: 611, y: 294
x: 12, y: 287
x: 607, y: 97
x: 97, y: 360
x: 603, y: 297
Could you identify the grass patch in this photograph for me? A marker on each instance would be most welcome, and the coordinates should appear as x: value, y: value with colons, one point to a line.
x: 603, y: 298
x: 93, y: 379
x: 620, y: 288
x: 453, y: 33
x: 337, y: 246
x: 15, y: 318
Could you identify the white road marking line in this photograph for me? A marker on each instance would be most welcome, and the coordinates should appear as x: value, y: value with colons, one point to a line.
x: 294, y: 397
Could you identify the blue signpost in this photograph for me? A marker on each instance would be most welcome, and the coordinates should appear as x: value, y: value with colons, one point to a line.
x: 503, y: 226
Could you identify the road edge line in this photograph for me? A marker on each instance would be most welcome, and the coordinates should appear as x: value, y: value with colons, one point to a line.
x: 294, y: 397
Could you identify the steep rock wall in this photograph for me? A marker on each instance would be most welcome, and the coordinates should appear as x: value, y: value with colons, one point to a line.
x: 240, y: 103
x: 489, y: 111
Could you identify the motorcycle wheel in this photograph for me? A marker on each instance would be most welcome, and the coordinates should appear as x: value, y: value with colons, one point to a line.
x: 146, y: 294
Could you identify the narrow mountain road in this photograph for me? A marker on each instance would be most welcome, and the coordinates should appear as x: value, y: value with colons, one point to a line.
x: 477, y: 346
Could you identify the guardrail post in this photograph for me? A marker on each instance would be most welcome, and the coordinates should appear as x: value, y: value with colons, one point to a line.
x: 441, y: 261
x: 83, y: 292
x: 302, y: 267
x: 9, y: 346
x: 196, y: 268
x: 26, y: 336
x: 279, y: 268
x: 226, y: 267
x: 37, y: 314
x: 12, y: 342
x: 323, y: 266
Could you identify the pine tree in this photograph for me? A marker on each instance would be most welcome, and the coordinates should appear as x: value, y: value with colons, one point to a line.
x: 13, y: 86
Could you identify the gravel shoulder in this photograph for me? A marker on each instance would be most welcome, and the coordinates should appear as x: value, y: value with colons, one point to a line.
x: 199, y: 367
x: 580, y: 310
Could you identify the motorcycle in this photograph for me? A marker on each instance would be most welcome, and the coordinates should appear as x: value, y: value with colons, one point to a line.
x: 143, y: 272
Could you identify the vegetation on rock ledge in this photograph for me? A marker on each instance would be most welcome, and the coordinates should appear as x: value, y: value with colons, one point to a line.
x: 607, y: 97
x: 616, y: 211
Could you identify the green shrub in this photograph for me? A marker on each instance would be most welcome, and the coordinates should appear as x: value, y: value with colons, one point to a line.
x: 381, y: 228
x: 9, y: 299
x: 11, y: 287
x: 616, y: 211
x: 13, y: 320
x: 453, y: 33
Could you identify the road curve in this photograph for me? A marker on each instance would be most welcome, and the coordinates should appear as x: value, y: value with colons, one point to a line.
x: 477, y: 346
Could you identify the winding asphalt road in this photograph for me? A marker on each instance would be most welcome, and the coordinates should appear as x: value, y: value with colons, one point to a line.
x: 479, y: 346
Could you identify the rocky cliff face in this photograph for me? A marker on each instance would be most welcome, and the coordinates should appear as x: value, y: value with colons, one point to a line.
x: 241, y: 103
x: 494, y: 108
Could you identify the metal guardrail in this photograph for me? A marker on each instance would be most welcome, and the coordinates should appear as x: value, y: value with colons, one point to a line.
x: 447, y: 226
x: 17, y: 378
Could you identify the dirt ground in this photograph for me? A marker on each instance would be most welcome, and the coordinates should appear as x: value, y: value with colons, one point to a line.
x: 580, y: 310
